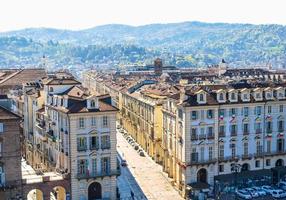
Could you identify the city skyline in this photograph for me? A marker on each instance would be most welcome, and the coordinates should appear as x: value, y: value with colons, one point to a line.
x: 78, y: 15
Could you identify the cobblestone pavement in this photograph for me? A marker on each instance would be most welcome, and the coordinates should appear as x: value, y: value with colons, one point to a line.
x: 147, y: 173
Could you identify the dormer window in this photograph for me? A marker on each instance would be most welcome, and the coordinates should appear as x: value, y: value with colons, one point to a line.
x: 268, y: 95
x: 92, y: 103
x: 221, y: 97
x: 202, y: 97
x: 233, y: 96
x: 258, y: 95
x: 51, y: 89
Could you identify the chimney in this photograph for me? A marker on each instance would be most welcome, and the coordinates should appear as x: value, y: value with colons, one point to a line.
x: 183, y: 95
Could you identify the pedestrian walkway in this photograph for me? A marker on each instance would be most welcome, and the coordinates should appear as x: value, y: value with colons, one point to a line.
x: 147, y: 173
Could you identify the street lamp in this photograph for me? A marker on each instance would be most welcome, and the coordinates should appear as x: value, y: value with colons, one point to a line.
x: 235, y: 168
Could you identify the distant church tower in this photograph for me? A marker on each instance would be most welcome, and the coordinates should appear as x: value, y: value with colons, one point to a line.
x: 222, y: 67
x: 158, y: 66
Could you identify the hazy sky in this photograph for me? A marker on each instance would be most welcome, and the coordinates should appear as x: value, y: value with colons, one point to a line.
x: 80, y: 14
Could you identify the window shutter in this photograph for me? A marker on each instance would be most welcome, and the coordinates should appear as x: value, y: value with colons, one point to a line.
x: 97, y: 142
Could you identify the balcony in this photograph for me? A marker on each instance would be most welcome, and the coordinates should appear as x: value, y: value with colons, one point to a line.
x: 94, y: 147
x: 228, y: 158
x: 258, y: 154
x: 103, y: 147
x: 258, y: 131
x: 98, y: 174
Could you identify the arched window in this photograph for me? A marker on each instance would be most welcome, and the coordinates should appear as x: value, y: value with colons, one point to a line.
x: 51, y: 89
x: 221, y: 97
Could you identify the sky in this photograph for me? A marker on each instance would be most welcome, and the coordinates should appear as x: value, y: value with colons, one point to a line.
x: 81, y: 14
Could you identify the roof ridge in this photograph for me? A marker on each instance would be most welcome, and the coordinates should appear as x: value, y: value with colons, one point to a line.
x: 10, y: 76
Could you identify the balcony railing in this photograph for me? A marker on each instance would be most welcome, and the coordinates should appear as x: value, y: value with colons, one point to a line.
x: 245, y: 132
x: 258, y: 131
x: 210, y: 136
x: 221, y: 134
x: 202, y: 137
x: 203, y: 161
x: 194, y: 137
x: 94, y: 147
x: 233, y: 133
x: 98, y: 174
x: 81, y: 148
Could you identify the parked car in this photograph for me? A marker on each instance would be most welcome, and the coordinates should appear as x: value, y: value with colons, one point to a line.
x: 268, y: 189
x: 252, y: 192
x: 260, y: 191
x: 243, y: 194
x: 123, y: 163
x: 136, y: 147
x: 141, y: 152
x: 282, y: 185
x: 278, y: 193
x: 118, y: 126
x: 121, y: 131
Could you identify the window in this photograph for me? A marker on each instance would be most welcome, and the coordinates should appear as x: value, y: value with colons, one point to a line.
x: 281, y: 108
x: 269, y: 109
x: 194, y: 115
x: 81, y: 122
x: 210, y: 114
x: 268, y: 162
x: 202, y: 132
x: 194, y: 155
x: 221, y: 96
x: 81, y: 144
x: 221, y: 168
x: 221, y: 151
x: 245, y: 128
x: 210, y: 153
x: 105, y: 121
x: 92, y: 103
x: 221, y: 130
x: 258, y: 110
x: 202, y: 153
x: 51, y: 89
x: 232, y: 112
x: 94, y: 166
x: 257, y: 127
x: 245, y: 111
x: 233, y: 129
x: 93, y: 121
x: 94, y: 143
x: 194, y: 133
x: 268, y: 95
x: 233, y: 150
x: 280, y: 145
x: 280, y: 125
x: 210, y: 131
x: 268, y: 146
x: 258, y: 147
x: 82, y: 167
x: 221, y: 112
x: 245, y: 96
x: 233, y: 96
x: 245, y: 149
x: 1, y: 127
x: 1, y: 149
x: 258, y: 95
x: 105, y: 142
x: 269, y: 127
x: 2, y: 174
x: 257, y: 163
x: 202, y: 97
x: 105, y: 165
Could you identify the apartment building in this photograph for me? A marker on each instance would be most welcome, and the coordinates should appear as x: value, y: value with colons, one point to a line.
x: 10, y: 155
x: 217, y: 126
x: 70, y: 131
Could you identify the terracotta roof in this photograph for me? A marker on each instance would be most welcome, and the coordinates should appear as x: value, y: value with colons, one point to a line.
x: 7, y: 114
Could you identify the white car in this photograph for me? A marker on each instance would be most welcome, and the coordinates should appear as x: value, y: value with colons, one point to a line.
x: 260, y: 191
x: 243, y: 194
x: 278, y: 193
x: 268, y: 189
